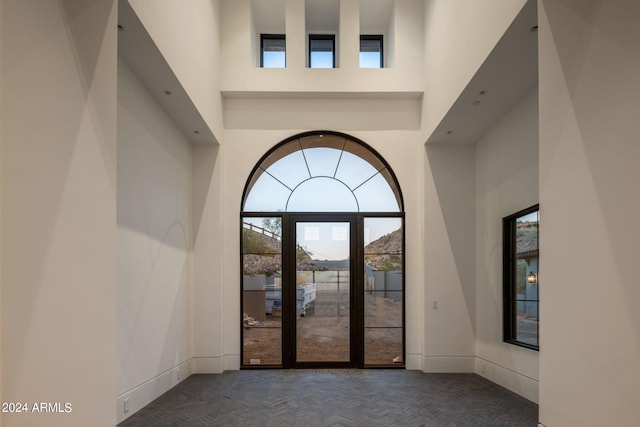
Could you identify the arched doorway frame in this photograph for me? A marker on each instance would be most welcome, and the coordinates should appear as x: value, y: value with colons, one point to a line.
x: 288, y: 220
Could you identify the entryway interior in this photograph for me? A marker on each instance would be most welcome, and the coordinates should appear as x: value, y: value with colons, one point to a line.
x: 129, y: 129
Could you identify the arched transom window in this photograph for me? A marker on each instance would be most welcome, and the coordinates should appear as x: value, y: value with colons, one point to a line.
x: 322, y: 172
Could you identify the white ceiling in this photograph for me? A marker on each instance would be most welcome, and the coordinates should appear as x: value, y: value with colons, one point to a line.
x: 141, y: 54
x: 509, y: 72
x: 322, y: 15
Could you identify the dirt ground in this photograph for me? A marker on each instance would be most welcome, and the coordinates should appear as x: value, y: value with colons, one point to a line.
x: 323, y: 333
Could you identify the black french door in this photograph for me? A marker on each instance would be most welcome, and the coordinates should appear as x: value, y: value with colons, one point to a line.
x: 323, y: 323
x: 323, y: 290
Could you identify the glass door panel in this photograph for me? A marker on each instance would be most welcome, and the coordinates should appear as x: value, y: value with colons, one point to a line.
x: 383, y: 291
x: 323, y: 292
x: 262, y: 291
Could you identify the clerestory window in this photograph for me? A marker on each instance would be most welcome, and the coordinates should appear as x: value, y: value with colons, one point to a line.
x: 273, y: 51
x: 322, y: 51
x: 371, y: 54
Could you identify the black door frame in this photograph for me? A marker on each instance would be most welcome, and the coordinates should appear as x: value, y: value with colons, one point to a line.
x: 356, y: 321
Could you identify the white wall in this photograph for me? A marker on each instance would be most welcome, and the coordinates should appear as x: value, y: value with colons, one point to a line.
x: 1, y: 245
x: 154, y: 247
x: 240, y: 72
x: 208, y: 267
x: 187, y: 34
x: 449, y: 286
x: 59, y: 209
x: 348, y: 36
x: 325, y: 112
x: 459, y: 35
x: 506, y: 182
x: 589, y: 152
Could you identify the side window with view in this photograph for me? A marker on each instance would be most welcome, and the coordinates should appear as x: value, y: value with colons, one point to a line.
x: 521, y: 260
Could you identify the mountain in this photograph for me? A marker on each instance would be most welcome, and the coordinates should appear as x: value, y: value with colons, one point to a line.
x: 262, y: 253
x: 385, y: 253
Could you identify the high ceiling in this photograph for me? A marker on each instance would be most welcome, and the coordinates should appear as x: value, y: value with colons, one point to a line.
x: 509, y: 72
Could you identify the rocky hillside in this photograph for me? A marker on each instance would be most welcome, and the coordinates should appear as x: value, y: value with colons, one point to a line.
x: 389, y: 243
x: 527, y: 237
x: 385, y: 253
x: 262, y: 254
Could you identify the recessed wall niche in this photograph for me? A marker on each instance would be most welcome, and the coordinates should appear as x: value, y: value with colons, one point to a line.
x: 267, y: 17
x: 377, y: 18
x: 322, y: 17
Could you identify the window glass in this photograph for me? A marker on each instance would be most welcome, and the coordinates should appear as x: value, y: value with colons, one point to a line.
x: 322, y: 161
x: 262, y: 291
x: 376, y: 196
x: 364, y: 153
x: 321, y: 51
x: 371, y: 51
x: 322, y: 195
x: 354, y: 170
x: 267, y: 195
x: 383, y: 291
x: 323, y: 292
x: 304, y: 176
x: 291, y: 170
x: 273, y: 51
x: 521, y: 277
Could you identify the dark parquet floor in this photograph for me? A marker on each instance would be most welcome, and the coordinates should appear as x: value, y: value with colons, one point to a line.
x: 336, y: 398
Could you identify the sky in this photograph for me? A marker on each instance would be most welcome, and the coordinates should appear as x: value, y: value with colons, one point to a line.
x: 321, y: 180
x: 532, y: 217
x: 273, y: 59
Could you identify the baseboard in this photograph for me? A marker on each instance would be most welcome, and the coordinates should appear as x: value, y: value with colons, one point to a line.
x: 231, y: 362
x: 453, y: 364
x: 520, y: 384
x: 208, y: 365
x: 140, y: 396
x: 413, y: 361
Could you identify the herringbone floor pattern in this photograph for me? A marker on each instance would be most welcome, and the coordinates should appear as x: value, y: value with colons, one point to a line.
x: 336, y: 398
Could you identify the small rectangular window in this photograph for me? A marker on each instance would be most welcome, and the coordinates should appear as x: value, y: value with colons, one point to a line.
x: 521, y: 262
x: 371, y: 51
x: 322, y: 51
x: 272, y: 51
